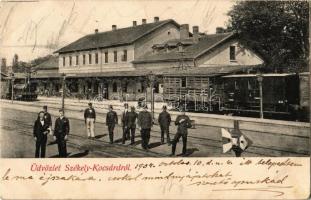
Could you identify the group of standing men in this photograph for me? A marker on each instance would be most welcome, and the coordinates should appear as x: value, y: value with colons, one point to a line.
x: 145, y: 121
x: 129, y: 119
x: 43, y: 127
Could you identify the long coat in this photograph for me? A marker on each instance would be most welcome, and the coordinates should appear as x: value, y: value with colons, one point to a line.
x: 164, y: 119
x: 39, y: 130
x: 62, y: 127
x: 130, y: 119
x: 111, y: 118
x: 145, y: 120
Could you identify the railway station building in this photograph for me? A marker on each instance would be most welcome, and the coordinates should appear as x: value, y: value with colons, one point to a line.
x: 122, y: 63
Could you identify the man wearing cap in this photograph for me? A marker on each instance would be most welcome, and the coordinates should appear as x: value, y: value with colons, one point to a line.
x: 126, y: 132
x: 61, y: 132
x: 164, y: 120
x: 183, y: 122
x: 145, y: 123
x: 130, y: 123
x: 89, y: 118
x: 111, y: 121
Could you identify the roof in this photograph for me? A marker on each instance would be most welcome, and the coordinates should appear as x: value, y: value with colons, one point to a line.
x: 194, y: 71
x: 122, y: 36
x: 190, y: 52
x: 211, y: 71
x: 51, y: 63
x: 255, y: 75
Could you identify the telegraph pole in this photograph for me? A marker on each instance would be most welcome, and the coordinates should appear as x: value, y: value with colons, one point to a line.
x: 63, y: 92
x: 260, y: 79
x: 12, y: 87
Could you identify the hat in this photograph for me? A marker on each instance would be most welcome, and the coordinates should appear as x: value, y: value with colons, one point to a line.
x: 110, y: 106
x: 126, y: 104
x: 45, y: 107
x: 164, y: 107
x: 132, y: 107
x: 90, y: 104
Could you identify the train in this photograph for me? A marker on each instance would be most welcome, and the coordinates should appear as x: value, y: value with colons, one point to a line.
x: 239, y: 95
x: 22, y: 91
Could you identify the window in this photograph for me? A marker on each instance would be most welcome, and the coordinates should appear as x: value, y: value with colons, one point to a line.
x: 83, y: 59
x: 124, y: 58
x: 124, y: 87
x: 77, y: 60
x: 96, y: 58
x: 114, y: 87
x: 70, y: 60
x: 106, y: 57
x: 115, y: 56
x: 232, y: 52
x: 183, y: 82
x: 64, y: 61
x: 90, y: 58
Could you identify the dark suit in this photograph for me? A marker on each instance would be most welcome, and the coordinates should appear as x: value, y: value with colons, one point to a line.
x: 145, y: 122
x: 62, y: 128
x: 182, y: 131
x: 130, y: 123
x: 40, y: 132
x: 164, y: 122
x: 124, y: 128
x: 48, y: 119
x: 111, y: 121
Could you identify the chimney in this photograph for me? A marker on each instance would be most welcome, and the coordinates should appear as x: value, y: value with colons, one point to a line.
x: 96, y: 31
x: 134, y: 23
x: 156, y: 19
x: 114, y: 27
x: 195, y: 30
x: 220, y: 30
x: 143, y: 21
x: 184, y: 31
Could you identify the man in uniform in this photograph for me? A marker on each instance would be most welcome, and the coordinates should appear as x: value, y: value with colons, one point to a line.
x: 111, y: 121
x: 126, y: 133
x: 47, y: 118
x: 183, y: 122
x: 40, y: 131
x: 164, y: 122
x: 145, y: 123
x: 61, y: 131
x: 89, y: 118
x: 130, y: 123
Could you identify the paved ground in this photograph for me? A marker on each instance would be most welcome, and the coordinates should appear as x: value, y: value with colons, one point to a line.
x: 17, y: 141
x: 16, y: 121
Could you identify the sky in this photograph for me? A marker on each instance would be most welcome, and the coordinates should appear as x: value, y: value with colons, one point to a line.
x: 39, y: 27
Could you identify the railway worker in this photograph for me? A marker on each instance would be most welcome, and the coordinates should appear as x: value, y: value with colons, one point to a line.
x: 40, y: 131
x: 125, y: 131
x: 130, y: 124
x: 164, y: 120
x: 89, y: 119
x: 111, y: 121
x: 61, y: 132
x: 145, y: 123
x: 47, y: 117
x: 183, y: 122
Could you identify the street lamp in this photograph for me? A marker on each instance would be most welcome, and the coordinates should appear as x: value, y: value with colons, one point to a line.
x: 152, y: 78
x: 260, y: 79
x: 12, y: 87
x: 63, y: 91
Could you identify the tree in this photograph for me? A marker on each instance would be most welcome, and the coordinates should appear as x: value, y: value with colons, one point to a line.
x: 277, y: 30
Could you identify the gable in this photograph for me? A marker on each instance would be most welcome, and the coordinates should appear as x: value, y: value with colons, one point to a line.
x: 220, y: 55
